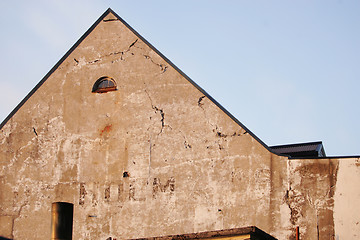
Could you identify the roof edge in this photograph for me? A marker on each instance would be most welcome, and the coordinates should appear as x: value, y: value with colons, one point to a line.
x: 38, y: 85
x: 192, y: 82
x: 296, y: 144
x: 77, y: 43
x: 327, y: 157
x: 251, y: 230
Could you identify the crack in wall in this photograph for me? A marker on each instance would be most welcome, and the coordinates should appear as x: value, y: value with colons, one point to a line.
x: 288, y: 198
x: 94, y: 61
x: 35, y: 131
x: 162, y: 114
x: 110, y: 20
x: 122, y: 53
x: 216, y: 130
x: 222, y: 139
x: 132, y: 44
x: 160, y: 110
x: 186, y: 144
x: 223, y: 135
x: 200, y: 104
x: 219, y: 134
x: 15, y: 217
x: 162, y: 67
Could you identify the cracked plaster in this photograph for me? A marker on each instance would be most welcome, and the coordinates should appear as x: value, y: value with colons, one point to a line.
x: 189, y: 167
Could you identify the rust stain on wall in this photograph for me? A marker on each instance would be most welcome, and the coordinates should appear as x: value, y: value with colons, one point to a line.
x: 106, y: 129
x: 197, y: 170
x: 311, y: 197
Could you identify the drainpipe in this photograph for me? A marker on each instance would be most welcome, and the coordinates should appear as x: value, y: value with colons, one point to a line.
x: 61, y: 220
x: 297, y: 233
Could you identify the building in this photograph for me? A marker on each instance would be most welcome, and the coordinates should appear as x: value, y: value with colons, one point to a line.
x: 142, y: 151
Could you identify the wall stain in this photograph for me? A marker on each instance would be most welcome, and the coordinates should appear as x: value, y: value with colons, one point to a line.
x: 106, y: 129
x: 158, y: 187
x: 314, y: 196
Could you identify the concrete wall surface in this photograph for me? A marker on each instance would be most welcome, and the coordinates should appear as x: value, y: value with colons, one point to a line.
x: 156, y: 157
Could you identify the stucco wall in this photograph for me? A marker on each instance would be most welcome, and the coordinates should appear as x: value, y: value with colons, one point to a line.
x: 189, y: 166
x: 346, y: 198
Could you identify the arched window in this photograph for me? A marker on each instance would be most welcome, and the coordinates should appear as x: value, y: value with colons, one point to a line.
x: 104, y: 84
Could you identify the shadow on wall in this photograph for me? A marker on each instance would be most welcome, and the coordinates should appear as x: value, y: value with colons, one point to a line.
x: 4, y: 238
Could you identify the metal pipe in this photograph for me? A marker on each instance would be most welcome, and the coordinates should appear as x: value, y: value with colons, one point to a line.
x: 61, y: 220
x: 297, y: 233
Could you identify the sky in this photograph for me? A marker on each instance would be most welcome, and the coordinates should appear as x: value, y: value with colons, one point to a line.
x: 288, y: 70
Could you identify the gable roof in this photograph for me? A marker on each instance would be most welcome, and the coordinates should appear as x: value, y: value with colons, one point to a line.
x: 274, y: 149
x: 253, y: 232
x: 102, y: 18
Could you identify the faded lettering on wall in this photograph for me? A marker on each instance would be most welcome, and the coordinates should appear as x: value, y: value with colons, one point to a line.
x: 126, y: 190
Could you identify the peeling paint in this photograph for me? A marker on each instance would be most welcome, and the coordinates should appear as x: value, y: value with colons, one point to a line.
x: 157, y: 155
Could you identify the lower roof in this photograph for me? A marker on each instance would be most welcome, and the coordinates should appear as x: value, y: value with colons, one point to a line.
x: 310, y: 149
x: 254, y: 232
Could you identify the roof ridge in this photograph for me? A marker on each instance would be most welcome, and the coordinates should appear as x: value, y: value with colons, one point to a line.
x: 194, y: 84
x: 109, y: 10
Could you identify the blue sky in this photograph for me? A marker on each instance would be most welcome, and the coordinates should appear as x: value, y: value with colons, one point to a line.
x: 288, y: 70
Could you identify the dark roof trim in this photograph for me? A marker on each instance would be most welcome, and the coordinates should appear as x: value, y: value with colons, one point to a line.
x: 192, y: 82
x: 296, y: 144
x: 252, y: 230
x: 309, y: 149
x: 109, y: 10
x: 319, y: 147
x: 331, y: 157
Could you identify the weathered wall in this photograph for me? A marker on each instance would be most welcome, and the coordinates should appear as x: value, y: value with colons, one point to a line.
x: 322, y: 198
x: 189, y: 167
x: 346, y: 199
x: 310, y: 195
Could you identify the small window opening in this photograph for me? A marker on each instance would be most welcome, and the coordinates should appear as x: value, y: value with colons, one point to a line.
x: 104, y: 84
